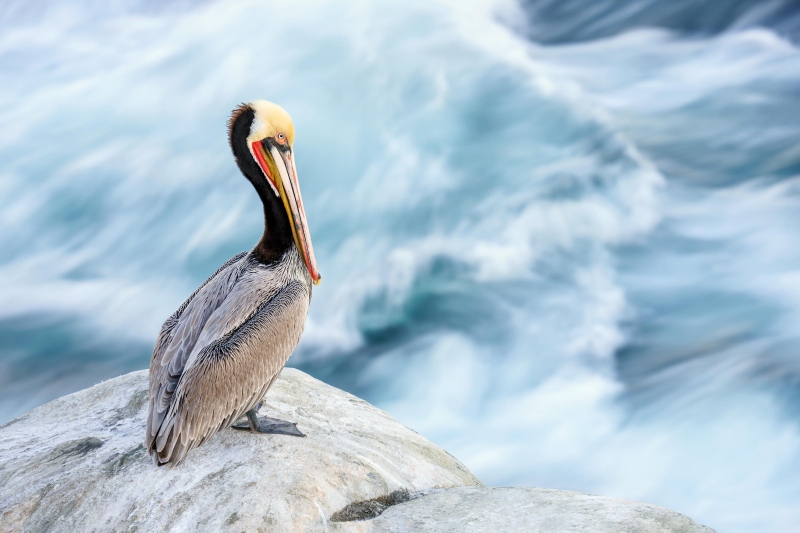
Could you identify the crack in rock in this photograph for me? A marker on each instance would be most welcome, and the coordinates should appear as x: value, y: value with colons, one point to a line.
x: 79, y: 447
x: 368, y: 509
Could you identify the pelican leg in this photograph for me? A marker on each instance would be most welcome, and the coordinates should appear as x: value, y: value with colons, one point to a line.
x: 256, y: 424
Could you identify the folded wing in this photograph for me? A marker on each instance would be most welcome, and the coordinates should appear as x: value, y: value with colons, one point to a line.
x: 220, y: 358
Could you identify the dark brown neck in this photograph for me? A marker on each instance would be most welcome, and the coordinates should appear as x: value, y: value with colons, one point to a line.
x: 277, y: 237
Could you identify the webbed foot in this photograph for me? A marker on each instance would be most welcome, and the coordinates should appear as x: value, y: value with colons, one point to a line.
x: 263, y: 424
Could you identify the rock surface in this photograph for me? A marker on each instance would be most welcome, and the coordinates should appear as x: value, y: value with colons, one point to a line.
x: 474, y: 509
x: 78, y: 464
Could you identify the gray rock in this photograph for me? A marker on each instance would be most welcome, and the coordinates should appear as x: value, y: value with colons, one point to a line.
x: 474, y: 509
x: 78, y: 464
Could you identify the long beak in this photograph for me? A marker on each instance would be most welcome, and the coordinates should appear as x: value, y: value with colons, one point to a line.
x: 278, y: 165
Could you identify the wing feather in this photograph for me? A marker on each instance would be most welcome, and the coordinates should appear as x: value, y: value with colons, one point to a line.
x: 166, y: 363
x: 230, y: 375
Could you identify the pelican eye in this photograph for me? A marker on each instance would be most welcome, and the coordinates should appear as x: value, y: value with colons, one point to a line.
x: 281, y: 140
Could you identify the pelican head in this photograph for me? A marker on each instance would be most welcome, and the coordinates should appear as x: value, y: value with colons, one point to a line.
x: 261, y: 135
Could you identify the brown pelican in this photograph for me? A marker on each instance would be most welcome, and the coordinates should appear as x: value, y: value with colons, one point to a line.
x: 218, y: 354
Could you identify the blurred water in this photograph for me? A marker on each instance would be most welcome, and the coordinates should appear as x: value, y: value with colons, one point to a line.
x: 558, y: 239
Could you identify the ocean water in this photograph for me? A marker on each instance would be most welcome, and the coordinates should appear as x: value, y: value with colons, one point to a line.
x: 559, y: 239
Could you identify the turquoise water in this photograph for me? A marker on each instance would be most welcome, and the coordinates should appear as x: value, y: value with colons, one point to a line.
x: 559, y: 239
